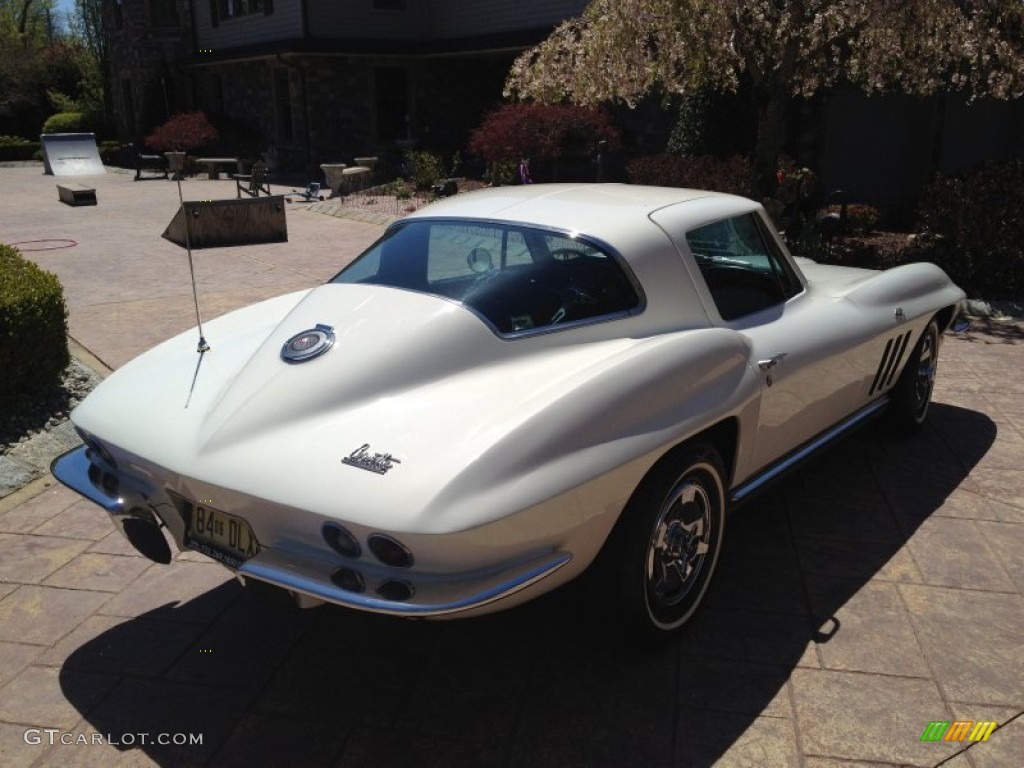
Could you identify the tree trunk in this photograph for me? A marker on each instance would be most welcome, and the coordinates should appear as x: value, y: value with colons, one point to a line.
x: 23, y: 16
x: 771, y: 136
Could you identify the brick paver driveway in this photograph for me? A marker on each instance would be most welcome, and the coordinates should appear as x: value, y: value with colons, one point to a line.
x: 874, y: 592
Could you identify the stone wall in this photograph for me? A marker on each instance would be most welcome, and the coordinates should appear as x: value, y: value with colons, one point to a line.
x: 146, y: 86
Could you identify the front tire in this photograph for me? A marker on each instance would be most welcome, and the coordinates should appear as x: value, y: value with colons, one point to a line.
x: 664, y: 549
x: 912, y: 395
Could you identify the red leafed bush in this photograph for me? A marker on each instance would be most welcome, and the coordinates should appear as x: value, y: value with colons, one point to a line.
x: 184, y: 132
x: 731, y: 175
x: 542, y: 131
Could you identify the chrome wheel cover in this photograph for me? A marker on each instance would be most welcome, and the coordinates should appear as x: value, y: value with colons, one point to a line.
x: 680, y: 546
x: 924, y: 381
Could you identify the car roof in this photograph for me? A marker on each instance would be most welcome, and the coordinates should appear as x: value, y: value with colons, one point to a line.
x: 605, y: 211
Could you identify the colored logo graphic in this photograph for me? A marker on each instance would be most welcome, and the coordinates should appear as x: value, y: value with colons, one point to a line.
x: 958, y: 730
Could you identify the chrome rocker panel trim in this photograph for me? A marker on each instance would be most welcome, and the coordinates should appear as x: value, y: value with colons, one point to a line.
x: 775, y: 471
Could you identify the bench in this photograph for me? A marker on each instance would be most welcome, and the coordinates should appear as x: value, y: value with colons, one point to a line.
x: 76, y: 194
x: 155, y: 164
x: 213, y: 164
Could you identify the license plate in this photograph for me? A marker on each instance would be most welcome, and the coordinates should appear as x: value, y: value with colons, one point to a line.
x: 224, y: 537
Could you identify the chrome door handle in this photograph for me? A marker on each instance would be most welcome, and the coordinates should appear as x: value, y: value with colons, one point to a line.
x: 771, y: 362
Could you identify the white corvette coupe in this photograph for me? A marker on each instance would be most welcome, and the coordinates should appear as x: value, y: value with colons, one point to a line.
x: 509, y: 387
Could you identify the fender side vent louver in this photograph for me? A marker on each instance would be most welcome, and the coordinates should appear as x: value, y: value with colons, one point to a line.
x: 892, y: 356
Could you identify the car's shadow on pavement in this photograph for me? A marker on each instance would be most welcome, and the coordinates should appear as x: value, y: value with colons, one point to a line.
x: 548, y: 683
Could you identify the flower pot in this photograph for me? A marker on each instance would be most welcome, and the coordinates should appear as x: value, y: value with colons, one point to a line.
x: 175, y: 163
x: 333, y: 176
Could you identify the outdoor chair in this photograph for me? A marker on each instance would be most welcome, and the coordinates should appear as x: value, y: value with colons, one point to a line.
x: 253, y: 183
x: 155, y: 164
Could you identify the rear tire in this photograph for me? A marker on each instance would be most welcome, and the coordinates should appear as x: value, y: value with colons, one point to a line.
x: 663, y: 551
x: 912, y: 395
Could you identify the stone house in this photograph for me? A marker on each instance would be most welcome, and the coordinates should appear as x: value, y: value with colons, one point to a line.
x: 322, y: 80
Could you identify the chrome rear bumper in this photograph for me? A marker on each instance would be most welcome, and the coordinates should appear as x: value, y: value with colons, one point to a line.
x: 310, y: 574
x: 72, y: 469
x: 129, y: 508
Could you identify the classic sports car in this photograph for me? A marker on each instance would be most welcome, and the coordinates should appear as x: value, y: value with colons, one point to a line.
x: 510, y: 386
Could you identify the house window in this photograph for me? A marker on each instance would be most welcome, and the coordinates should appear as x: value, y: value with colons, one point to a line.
x: 230, y: 9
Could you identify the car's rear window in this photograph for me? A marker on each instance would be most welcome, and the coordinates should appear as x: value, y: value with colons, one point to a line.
x: 517, y: 278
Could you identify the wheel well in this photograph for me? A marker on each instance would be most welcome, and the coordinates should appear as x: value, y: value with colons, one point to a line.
x: 945, y: 318
x: 724, y: 436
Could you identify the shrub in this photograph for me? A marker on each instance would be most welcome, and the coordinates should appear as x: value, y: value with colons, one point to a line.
x: 731, y: 175
x: 502, y: 173
x: 15, y: 148
x: 425, y: 168
x: 974, y: 229
x: 860, y: 217
x: 542, y: 132
x: 184, y: 132
x: 64, y: 122
x: 111, y: 152
x: 33, y: 328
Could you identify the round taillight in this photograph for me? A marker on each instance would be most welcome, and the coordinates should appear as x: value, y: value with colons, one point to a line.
x: 399, y: 591
x: 340, y: 540
x: 349, y: 580
x: 390, y: 551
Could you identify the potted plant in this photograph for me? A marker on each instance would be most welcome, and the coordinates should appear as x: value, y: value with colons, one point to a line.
x: 180, y: 135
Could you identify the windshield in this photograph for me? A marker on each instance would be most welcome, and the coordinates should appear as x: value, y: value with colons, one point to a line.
x: 518, y: 278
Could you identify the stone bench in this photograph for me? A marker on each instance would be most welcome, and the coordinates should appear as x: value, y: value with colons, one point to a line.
x: 213, y: 164
x: 76, y: 194
x: 343, y: 180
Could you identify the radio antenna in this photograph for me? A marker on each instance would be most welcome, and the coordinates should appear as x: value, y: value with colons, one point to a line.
x: 202, y: 346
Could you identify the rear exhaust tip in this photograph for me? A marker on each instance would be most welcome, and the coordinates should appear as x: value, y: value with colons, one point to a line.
x: 143, y: 533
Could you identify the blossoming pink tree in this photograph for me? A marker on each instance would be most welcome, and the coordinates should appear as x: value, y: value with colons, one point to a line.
x: 620, y: 50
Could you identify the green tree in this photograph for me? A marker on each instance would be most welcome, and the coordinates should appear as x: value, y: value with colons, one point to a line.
x: 42, y: 70
x: 621, y: 50
x: 31, y: 19
x: 87, y: 27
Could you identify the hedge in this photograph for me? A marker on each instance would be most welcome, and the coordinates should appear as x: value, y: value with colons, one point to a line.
x: 20, y: 150
x: 33, y: 329
x: 974, y: 229
x: 65, y: 122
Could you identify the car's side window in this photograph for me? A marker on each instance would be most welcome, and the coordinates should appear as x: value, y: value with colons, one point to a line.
x: 493, y: 247
x: 743, y: 269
